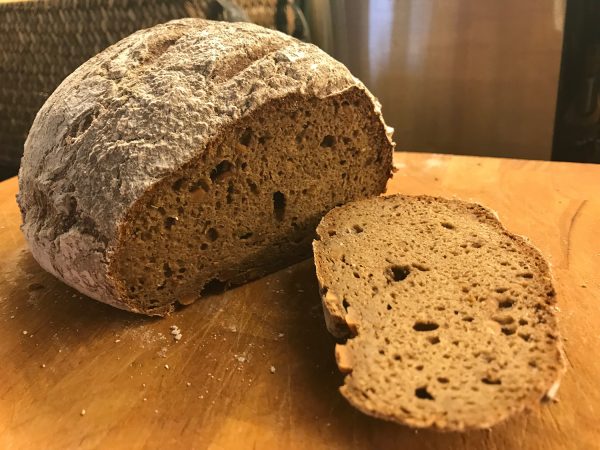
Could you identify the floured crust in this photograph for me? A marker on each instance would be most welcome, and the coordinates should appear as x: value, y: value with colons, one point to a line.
x: 137, y: 112
x: 442, y: 332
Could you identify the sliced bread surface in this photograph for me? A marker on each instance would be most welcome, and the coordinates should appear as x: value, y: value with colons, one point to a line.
x: 450, y: 318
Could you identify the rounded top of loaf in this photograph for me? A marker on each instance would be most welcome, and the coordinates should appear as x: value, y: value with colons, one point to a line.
x: 149, y: 104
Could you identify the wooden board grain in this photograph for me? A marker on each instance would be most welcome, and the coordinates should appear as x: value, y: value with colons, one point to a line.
x: 255, y: 366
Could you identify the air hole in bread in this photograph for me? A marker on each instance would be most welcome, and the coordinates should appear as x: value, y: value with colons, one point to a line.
x: 425, y: 326
x: 213, y: 287
x: 397, y: 273
x: 345, y: 304
x: 504, y: 319
x: 527, y: 275
x: 522, y: 322
x: 331, y: 233
x: 420, y: 267
x: 468, y: 319
x: 356, y: 274
x: 246, y: 137
x: 448, y: 225
x: 253, y: 186
x: 433, y: 340
x: 328, y: 141
x: 178, y: 184
x: 169, y: 222
x: 167, y: 270
x: 199, y: 184
x: 509, y: 330
x: 506, y: 303
x: 389, y: 307
x: 525, y: 336
x: 423, y: 393
x: 357, y: 229
x: 220, y: 171
x: 443, y: 380
x: 279, y: 205
x: 247, y: 235
x: 212, y: 234
x: 501, y: 290
x: 491, y: 380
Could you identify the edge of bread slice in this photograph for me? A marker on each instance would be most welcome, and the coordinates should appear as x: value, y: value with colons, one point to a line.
x: 449, y: 318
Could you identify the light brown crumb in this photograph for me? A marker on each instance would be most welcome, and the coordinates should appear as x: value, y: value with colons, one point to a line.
x: 83, y: 412
x: 188, y: 384
x: 145, y: 399
x: 167, y: 366
x: 117, y: 341
x: 272, y: 369
x: 25, y: 332
x: 43, y: 366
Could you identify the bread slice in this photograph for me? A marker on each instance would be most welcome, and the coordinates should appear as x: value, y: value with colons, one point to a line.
x: 449, y: 317
x: 191, y: 156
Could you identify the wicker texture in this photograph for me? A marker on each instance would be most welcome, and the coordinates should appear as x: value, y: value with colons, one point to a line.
x: 41, y: 42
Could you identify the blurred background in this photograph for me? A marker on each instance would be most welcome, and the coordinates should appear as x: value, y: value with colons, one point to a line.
x: 509, y: 78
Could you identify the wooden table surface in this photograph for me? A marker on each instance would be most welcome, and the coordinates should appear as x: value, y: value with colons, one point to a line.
x: 255, y: 367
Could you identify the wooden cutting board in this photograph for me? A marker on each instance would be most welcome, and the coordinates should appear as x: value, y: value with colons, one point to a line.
x: 255, y: 366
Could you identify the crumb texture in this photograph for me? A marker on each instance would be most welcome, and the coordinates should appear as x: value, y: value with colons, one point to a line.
x: 449, y: 317
x: 193, y: 154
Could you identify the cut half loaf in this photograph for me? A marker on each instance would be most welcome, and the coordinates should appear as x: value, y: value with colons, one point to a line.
x: 449, y: 317
x: 191, y: 156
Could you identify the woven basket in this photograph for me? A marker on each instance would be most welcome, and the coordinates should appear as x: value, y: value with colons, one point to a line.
x: 41, y: 42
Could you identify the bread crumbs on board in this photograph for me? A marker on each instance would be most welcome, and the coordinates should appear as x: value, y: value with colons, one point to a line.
x: 176, y: 333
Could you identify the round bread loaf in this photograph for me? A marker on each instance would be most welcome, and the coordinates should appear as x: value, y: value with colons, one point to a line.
x: 191, y: 156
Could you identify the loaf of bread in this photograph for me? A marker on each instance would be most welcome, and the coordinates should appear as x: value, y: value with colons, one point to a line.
x: 449, y: 318
x: 192, y: 156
